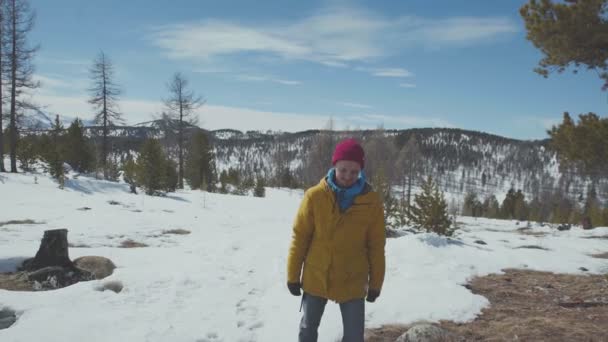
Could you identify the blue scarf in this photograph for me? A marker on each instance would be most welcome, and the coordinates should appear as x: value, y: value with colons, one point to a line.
x: 346, y: 197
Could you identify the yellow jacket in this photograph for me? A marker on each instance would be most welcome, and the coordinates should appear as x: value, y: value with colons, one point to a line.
x: 342, y: 253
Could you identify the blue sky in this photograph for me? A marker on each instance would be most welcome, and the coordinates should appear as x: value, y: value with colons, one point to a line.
x: 293, y: 65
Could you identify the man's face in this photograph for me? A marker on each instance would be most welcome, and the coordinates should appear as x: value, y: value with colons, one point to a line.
x: 347, y: 172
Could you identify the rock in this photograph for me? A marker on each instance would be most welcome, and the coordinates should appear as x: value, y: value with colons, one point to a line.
x: 7, y: 318
x: 481, y: 242
x: 100, y: 267
x: 565, y: 226
x: 583, y: 269
x: 426, y: 333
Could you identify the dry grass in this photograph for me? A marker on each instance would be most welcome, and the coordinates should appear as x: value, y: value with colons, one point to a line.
x: 600, y: 255
x: 603, y: 237
x: 533, y: 247
x: 177, y: 231
x: 28, y: 221
x: 529, y: 231
x: 530, y: 306
x: 78, y: 245
x: 132, y: 244
x: 15, y: 282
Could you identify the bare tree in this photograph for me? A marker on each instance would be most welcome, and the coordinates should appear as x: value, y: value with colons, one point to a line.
x: 181, y: 106
x: 19, y: 22
x: 318, y: 160
x: 380, y: 153
x: 104, y: 98
x: 3, y: 42
x: 408, y: 167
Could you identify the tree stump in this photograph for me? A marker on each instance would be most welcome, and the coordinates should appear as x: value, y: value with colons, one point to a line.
x: 53, y: 251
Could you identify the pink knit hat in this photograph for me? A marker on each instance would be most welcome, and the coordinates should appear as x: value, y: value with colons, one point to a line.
x: 349, y: 149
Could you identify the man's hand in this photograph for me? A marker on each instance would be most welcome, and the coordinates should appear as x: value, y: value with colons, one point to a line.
x: 372, y: 295
x: 294, y: 288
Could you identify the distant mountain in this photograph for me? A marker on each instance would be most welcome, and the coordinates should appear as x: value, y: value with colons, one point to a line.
x: 460, y: 160
x: 39, y: 120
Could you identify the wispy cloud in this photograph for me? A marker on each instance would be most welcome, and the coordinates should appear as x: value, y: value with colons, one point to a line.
x: 355, y: 105
x: 52, y: 83
x: 387, y: 72
x: 257, y: 78
x: 407, y: 85
x: 333, y: 36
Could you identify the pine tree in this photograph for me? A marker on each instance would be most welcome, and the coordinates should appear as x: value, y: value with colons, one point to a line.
x: 151, y: 169
x: 129, y: 173
x: 472, y: 206
x: 55, y: 156
x: 78, y: 152
x: 491, y: 208
x: 200, y: 163
x: 520, y: 208
x: 104, y: 98
x: 391, y: 208
x: 507, y: 209
x: 170, y: 176
x: 430, y: 210
x: 26, y: 152
x: 259, y: 190
x: 593, y: 209
x: 568, y: 33
x: 181, y: 106
x: 19, y: 20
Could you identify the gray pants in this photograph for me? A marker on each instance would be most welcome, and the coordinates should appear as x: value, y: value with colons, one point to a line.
x: 353, y: 318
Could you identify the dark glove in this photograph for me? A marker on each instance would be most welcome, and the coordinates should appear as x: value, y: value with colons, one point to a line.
x: 372, y: 295
x: 294, y: 288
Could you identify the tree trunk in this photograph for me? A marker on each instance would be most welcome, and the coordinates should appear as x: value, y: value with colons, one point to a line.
x: 13, y: 114
x: 53, y: 251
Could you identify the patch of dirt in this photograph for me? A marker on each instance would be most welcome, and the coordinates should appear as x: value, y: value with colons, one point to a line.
x: 28, y: 221
x: 530, y: 306
x: 600, y: 255
x: 78, y: 245
x: 529, y: 231
x: 533, y: 247
x: 603, y: 237
x: 132, y: 244
x: 16, y: 281
x: 177, y: 231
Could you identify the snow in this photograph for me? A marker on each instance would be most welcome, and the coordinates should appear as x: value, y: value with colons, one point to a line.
x: 226, y: 280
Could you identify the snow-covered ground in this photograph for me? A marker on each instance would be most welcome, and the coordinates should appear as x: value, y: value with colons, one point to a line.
x: 226, y: 280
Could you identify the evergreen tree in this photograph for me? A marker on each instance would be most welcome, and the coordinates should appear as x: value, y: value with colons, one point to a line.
x: 391, y: 207
x: 582, y: 147
x: 520, y: 209
x: 170, y: 179
x: 151, y: 169
x: 507, y: 209
x: 472, y: 206
x: 78, y: 152
x: 200, y: 163
x: 55, y: 156
x: 569, y: 33
x: 259, y: 190
x: 430, y: 210
x: 27, y: 152
x: 129, y: 173
x: 593, y: 209
x: 491, y: 208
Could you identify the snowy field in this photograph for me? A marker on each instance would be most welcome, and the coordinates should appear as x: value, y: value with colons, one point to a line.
x: 226, y: 280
